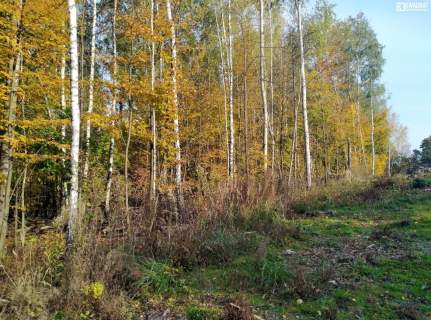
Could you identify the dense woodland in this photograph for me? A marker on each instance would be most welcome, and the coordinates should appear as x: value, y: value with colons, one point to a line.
x: 125, y: 122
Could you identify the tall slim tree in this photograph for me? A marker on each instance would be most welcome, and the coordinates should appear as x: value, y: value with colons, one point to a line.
x: 153, y: 111
x: 178, y: 178
x: 307, y: 156
x: 373, y: 147
x: 64, y: 192
x: 74, y: 151
x: 271, y: 84
x: 230, y: 85
x: 111, y: 109
x: 262, y: 84
x: 7, y: 146
x: 221, y: 42
x: 90, y: 90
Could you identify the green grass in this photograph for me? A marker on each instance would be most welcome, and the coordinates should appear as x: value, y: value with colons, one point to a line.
x: 197, y: 312
x: 321, y: 280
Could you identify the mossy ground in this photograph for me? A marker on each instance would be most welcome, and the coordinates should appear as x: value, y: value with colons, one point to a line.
x: 370, y: 258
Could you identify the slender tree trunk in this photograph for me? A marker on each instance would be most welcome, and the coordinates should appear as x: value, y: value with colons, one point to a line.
x: 349, y: 158
x: 7, y: 148
x: 81, y: 29
x: 74, y: 151
x: 64, y: 193
x: 223, y: 73
x: 358, y: 119
x: 304, y: 99
x: 262, y: 85
x: 373, y: 152
x: 109, y: 176
x: 271, y: 83
x: 126, y: 163
x: 23, y: 184
x: 90, y: 92
x: 153, y: 113
x: 23, y: 207
x: 294, y: 135
x: 6, y: 155
x: 281, y: 124
x: 245, y: 93
x: 389, y: 161
x: 231, y: 108
x: 178, y: 186
x: 112, y: 111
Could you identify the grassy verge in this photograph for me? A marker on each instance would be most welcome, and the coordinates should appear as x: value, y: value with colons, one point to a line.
x: 365, y: 255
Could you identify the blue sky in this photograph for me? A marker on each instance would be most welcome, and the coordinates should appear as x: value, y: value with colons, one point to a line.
x: 407, y: 72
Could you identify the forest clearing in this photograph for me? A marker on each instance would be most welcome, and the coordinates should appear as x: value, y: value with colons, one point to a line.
x: 209, y: 159
x: 348, y: 252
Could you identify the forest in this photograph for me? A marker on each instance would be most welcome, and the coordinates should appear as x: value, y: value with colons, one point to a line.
x: 205, y: 159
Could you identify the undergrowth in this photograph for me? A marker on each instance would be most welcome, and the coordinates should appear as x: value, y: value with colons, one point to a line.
x: 341, y: 252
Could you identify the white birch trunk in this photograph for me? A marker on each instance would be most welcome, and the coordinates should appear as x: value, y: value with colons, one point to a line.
x: 90, y: 91
x: 126, y: 162
x: 179, y: 195
x: 304, y: 99
x: 64, y: 192
x: 231, y: 108
x: 63, y: 99
x: 23, y: 208
x: 222, y: 65
x: 271, y: 82
x: 74, y: 151
x: 153, y: 113
x: 111, y: 111
x: 358, y: 118
x: 294, y: 134
x: 373, y: 151
x: 262, y: 85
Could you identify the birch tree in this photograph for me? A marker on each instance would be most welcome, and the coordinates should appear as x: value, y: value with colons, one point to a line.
x: 221, y: 37
x: 90, y: 90
x: 307, y: 154
x: 111, y: 110
x: 231, y: 114
x: 153, y: 111
x: 74, y: 151
x: 373, y: 150
x: 262, y: 84
x: 271, y: 84
x: 178, y: 187
x: 7, y: 146
x: 64, y: 193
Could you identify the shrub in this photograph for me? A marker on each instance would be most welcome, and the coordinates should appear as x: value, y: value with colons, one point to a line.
x: 267, y: 274
x: 201, y: 313
x: 160, y: 278
x: 27, y: 297
x: 53, y: 245
x: 267, y: 222
x: 119, y: 307
x: 225, y: 245
x: 421, y: 183
x: 94, y: 290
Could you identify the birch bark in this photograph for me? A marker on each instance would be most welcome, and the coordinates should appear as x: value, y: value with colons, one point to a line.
x: 307, y: 154
x: 262, y: 85
x: 90, y: 91
x: 111, y: 111
x: 178, y: 186
x: 74, y: 151
x: 153, y: 112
